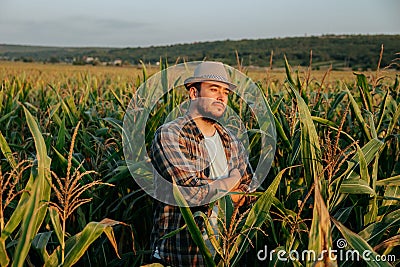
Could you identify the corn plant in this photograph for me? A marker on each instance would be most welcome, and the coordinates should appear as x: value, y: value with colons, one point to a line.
x: 34, y: 203
x: 335, y: 172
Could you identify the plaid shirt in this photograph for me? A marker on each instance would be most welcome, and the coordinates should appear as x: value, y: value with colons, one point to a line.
x: 178, y: 152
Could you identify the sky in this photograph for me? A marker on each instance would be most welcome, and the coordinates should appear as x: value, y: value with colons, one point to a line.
x: 142, y: 23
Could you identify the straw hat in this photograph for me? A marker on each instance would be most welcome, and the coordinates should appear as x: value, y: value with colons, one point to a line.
x: 209, y: 71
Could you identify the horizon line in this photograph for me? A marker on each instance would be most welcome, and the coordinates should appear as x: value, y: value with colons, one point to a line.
x: 199, y: 42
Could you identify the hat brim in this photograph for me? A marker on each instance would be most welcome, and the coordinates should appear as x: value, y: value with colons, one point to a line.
x: 190, y: 81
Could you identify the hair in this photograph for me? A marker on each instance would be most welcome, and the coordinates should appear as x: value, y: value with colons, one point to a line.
x: 196, y: 85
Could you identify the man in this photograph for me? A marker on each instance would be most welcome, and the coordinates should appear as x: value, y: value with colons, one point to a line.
x: 202, y: 157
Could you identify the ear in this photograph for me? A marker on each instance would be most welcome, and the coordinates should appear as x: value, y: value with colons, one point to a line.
x: 193, y: 93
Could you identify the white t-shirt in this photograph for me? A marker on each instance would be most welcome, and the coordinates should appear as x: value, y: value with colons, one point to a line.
x: 218, y: 169
x: 216, y: 151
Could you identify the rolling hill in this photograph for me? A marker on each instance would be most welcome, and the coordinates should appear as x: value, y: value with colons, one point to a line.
x: 340, y: 51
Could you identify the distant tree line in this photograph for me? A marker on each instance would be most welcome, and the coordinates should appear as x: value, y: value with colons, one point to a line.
x: 339, y: 51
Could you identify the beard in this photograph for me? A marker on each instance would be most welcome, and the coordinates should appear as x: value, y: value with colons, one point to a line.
x: 208, y: 115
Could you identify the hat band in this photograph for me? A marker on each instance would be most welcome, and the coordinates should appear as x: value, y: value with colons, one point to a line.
x: 215, y: 77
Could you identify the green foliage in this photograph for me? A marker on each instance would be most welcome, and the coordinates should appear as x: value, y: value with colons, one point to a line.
x: 33, y: 206
x: 335, y: 173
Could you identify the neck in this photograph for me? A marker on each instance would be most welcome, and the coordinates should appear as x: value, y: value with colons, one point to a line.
x: 205, y: 125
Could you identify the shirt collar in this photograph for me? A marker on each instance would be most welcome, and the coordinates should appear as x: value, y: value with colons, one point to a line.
x: 222, y: 131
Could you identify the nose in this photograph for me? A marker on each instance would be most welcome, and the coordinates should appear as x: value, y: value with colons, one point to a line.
x: 221, y: 96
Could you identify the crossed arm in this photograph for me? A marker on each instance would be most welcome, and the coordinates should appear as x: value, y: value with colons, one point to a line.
x: 173, y: 161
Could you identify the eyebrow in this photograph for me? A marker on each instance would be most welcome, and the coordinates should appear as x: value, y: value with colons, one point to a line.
x: 218, y: 86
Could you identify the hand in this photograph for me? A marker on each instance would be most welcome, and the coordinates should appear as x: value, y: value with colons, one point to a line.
x: 238, y: 199
x: 230, y: 183
x: 234, y: 174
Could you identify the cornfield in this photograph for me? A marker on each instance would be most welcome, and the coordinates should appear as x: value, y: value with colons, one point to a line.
x: 68, y: 197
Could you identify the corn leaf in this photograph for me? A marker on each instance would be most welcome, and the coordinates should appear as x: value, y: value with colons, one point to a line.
x: 40, y: 242
x: 320, y: 240
x: 120, y: 102
x: 257, y: 216
x: 356, y: 186
x: 210, y: 231
x: 55, y: 220
x: 381, y: 111
x: 394, y: 121
x: 226, y: 209
x: 172, y: 233
x: 61, y: 136
x: 77, y: 245
x: 357, y: 112
x: 388, y: 243
x: 364, y: 175
x: 357, y: 243
x: 192, y: 226
x: 372, y: 214
x: 368, y: 153
x: 375, y: 230
x: 14, y: 221
x: 394, y: 180
x: 37, y: 205
x: 310, y: 149
x: 5, y: 149
x: 281, y: 133
x: 363, y: 86
x: 333, y: 126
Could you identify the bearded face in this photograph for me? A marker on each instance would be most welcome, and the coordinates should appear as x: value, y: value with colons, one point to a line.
x: 211, y: 100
